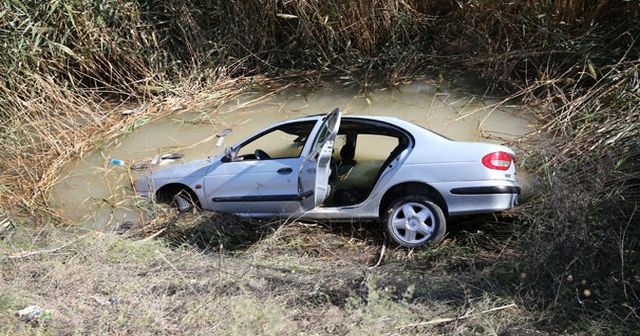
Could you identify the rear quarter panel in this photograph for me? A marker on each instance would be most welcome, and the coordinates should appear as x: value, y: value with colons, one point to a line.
x: 445, y: 164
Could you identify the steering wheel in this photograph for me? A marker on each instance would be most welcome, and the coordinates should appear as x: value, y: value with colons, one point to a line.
x: 261, y: 155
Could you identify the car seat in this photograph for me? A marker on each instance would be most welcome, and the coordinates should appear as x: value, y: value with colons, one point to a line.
x: 346, y: 163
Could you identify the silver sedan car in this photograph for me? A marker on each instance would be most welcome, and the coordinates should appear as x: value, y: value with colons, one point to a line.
x: 329, y: 167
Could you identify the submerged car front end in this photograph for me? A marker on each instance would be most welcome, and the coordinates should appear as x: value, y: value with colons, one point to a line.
x: 187, y: 176
x: 143, y: 186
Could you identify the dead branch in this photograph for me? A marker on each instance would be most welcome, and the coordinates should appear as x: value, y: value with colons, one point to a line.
x: 463, y: 317
x: 43, y: 251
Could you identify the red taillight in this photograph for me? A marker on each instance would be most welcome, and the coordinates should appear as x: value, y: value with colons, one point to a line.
x: 497, y: 160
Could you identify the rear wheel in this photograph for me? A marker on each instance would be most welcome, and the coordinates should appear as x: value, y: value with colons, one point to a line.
x: 415, y: 221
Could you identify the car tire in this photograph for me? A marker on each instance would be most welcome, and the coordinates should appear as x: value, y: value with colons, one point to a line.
x: 415, y: 221
x: 183, y: 201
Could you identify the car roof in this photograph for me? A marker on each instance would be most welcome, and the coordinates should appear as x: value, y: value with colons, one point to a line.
x: 403, y: 124
x: 349, y: 116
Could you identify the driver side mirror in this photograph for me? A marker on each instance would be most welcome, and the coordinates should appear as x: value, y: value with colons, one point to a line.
x: 229, y: 154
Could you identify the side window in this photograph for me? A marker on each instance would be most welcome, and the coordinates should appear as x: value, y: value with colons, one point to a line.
x: 322, y: 137
x: 325, y: 129
x: 286, y: 141
x: 374, y: 147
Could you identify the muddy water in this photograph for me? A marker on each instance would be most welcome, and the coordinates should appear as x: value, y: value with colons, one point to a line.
x: 98, y: 195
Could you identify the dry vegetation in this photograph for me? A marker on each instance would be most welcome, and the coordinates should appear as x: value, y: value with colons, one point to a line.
x: 570, y: 260
x: 278, y: 279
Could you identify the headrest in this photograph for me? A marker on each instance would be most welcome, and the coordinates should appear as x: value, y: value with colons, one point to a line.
x: 348, y: 152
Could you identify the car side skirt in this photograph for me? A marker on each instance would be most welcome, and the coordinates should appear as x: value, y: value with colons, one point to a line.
x: 486, y: 190
x: 265, y: 198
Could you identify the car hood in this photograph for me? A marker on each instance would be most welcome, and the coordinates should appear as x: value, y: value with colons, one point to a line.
x: 192, y: 168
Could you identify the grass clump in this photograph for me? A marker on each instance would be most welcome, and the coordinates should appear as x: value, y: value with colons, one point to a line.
x: 578, y: 61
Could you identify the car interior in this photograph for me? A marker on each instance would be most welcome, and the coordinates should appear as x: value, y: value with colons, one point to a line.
x: 362, y: 151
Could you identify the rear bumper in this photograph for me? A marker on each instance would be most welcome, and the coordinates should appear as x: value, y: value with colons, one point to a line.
x: 472, y: 197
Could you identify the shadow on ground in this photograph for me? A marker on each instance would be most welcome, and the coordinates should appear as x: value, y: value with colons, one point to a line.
x: 210, y: 231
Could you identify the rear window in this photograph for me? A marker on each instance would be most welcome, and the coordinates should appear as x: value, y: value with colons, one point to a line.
x: 432, y: 131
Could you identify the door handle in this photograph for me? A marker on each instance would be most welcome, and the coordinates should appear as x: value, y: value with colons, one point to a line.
x: 285, y: 171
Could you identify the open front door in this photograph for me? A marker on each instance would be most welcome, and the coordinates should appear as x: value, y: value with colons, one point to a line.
x: 313, y: 183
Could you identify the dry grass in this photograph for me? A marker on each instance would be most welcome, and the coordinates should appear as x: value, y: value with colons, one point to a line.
x: 70, y: 67
x: 103, y: 284
x: 49, y: 131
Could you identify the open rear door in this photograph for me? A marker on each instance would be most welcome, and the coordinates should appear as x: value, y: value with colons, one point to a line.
x: 314, y: 174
